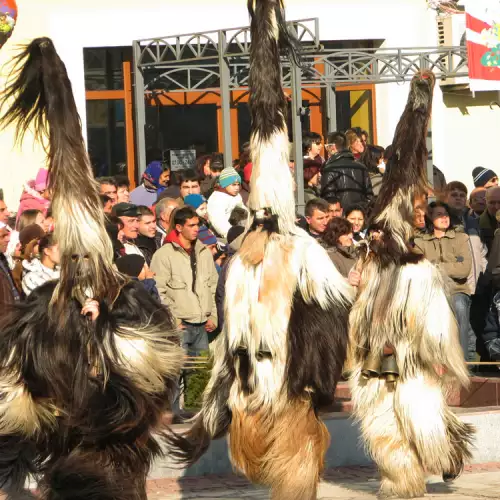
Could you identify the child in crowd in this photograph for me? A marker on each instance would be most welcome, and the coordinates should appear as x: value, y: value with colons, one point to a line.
x: 224, y: 199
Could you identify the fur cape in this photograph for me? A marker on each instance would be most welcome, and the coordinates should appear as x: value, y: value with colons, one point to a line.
x: 284, y: 340
x: 81, y: 401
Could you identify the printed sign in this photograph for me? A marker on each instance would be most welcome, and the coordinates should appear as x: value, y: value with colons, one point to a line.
x: 181, y: 159
x: 483, y: 44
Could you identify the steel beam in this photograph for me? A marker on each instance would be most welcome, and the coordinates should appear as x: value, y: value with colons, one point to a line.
x: 225, y: 98
x: 139, y: 111
x: 297, y: 136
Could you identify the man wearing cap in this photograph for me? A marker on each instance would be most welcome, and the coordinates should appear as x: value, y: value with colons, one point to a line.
x: 129, y: 214
x: 224, y: 199
x: 8, y: 291
x: 484, y: 177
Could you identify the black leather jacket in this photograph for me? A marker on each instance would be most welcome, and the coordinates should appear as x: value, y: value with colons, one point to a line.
x: 346, y: 179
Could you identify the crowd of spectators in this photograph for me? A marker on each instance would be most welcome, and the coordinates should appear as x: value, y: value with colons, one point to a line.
x: 177, y: 231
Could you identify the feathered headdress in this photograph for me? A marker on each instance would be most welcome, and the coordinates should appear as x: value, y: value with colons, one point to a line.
x: 406, y: 176
x: 271, y: 200
x: 40, y: 96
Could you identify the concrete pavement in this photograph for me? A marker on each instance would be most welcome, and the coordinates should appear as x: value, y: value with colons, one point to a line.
x: 479, y: 482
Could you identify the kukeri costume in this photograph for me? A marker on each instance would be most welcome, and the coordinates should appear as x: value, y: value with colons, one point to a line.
x: 281, y: 352
x: 80, y: 400
x: 403, y: 331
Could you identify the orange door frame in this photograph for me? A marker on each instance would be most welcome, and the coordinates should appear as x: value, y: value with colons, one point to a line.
x: 126, y: 96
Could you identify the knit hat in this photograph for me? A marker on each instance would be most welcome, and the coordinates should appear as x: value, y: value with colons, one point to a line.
x: 153, y: 173
x: 482, y: 175
x: 194, y: 200
x: 206, y: 236
x: 131, y: 265
x: 30, y: 233
x: 42, y: 180
x: 228, y: 176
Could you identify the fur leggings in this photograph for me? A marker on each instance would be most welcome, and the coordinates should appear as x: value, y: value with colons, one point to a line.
x: 284, y: 452
x: 409, y: 430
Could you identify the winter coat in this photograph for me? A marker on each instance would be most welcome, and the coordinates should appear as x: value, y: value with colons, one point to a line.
x: 478, y: 249
x: 346, y: 179
x: 8, y: 292
x: 451, y: 254
x: 147, y: 246
x: 35, y: 274
x: 220, y: 205
x: 344, y: 258
x: 376, y: 180
x: 141, y: 195
x: 487, y: 227
x: 186, y: 281
x: 32, y: 200
x: 310, y: 193
x: 494, y: 262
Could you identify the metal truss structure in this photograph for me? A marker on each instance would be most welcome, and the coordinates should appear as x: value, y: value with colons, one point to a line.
x: 219, y: 61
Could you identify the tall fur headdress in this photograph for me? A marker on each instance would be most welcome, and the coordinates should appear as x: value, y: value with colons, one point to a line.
x: 406, y: 176
x: 40, y: 97
x: 271, y: 185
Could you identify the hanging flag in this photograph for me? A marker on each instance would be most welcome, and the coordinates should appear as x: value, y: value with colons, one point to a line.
x: 483, y: 44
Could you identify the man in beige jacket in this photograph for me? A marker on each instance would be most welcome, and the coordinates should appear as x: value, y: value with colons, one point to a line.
x: 186, y: 279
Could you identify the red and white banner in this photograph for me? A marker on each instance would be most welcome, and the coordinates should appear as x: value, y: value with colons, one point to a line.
x: 483, y: 43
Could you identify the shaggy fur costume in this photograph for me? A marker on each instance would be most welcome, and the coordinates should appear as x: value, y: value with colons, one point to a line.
x: 403, y: 306
x: 81, y: 401
x: 285, y: 335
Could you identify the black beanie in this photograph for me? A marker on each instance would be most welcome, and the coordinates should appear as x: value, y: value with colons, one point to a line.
x: 482, y: 175
x: 131, y: 265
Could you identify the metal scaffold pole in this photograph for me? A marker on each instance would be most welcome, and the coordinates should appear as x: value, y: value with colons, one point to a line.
x: 139, y: 111
x: 297, y: 135
x: 225, y: 96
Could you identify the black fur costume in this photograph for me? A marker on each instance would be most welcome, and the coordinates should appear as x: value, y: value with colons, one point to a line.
x: 81, y: 401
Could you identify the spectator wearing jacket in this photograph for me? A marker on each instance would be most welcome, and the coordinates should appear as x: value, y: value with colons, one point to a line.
x: 9, y: 294
x: 136, y: 268
x: 129, y: 215
x: 223, y: 200
x: 355, y: 142
x: 338, y: 240
x: 147, y: 242
x: 312, y: 148
x: 317, y: 217
x: 488, y: 223
x: 450, y: 252
x: 186, y: 279
x: 43, y: 267
x: 477, y: 202
x: 456, y: 197
x: 164, y: 209
x: 344, y: 178
x: 154, y: 181
x: 373, y: 160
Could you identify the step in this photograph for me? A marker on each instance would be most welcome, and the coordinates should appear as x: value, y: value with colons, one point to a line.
x: 346, y: 448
